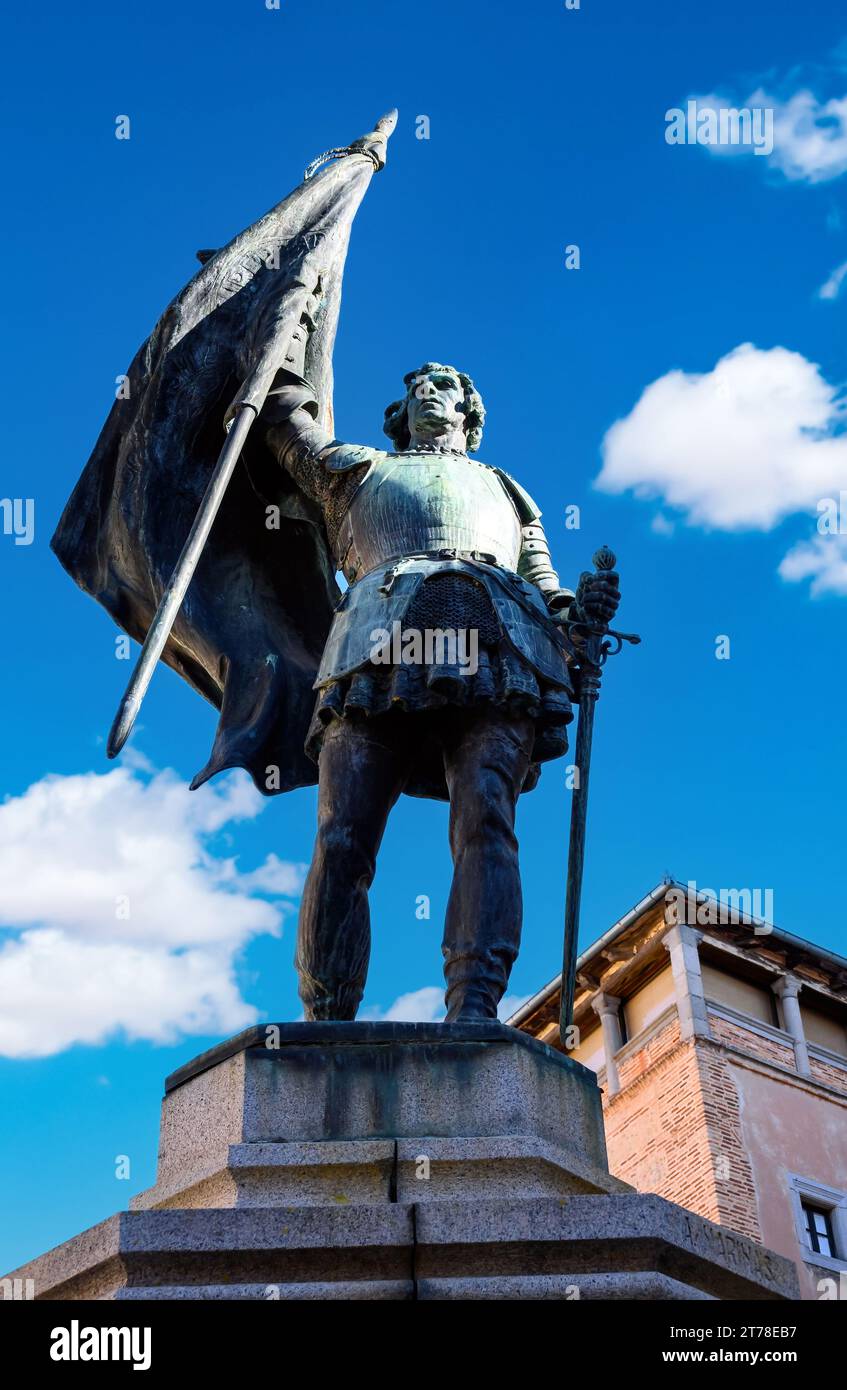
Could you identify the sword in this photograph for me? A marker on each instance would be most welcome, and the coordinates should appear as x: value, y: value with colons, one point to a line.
x: 591, y: 647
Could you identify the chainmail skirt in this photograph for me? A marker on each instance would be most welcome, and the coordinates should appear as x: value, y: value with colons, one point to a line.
x: 503, y: 680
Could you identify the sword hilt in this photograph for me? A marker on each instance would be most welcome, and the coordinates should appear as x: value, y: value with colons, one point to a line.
x: 595, y: 634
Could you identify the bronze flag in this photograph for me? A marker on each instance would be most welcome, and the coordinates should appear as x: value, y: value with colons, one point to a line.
x: 252, y: 626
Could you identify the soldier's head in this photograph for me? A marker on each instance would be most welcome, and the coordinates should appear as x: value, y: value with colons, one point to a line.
x: 440, y: 403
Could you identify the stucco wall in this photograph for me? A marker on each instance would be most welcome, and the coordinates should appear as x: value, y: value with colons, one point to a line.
x: 787, y: 1128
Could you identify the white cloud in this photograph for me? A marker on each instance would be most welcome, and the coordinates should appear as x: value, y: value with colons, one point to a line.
x: 830, y: 288
x: 420, y: 1006
x: 427, y: 1006
x: 823, y: 560
x: 742, y: 446
x: 809, y: 135
x: 757, y: 439
x: 276, y: 876
x: 118, y: 917
x: 510, y: 1003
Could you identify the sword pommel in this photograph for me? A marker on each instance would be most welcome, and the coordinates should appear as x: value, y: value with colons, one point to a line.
x: 604, y: 558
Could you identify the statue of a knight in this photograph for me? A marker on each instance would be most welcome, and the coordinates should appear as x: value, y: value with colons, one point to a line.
x: 431, y: 542
x: 441, y: 671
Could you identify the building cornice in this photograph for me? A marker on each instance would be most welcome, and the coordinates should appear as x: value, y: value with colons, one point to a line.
x: 798, y: 953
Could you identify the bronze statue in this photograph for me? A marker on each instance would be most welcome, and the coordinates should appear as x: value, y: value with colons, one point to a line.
x: 447, y: 667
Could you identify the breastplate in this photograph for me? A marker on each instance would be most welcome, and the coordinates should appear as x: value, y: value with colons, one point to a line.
x: 413, y: 504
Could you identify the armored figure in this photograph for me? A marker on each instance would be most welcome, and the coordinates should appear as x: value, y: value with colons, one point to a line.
x: 361, y: 691
x: 429, y: 541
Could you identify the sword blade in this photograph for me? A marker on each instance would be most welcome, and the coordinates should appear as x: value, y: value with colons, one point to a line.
x: 576, y: 855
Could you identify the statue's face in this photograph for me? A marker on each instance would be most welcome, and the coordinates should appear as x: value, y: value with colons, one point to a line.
x: 435, y: 405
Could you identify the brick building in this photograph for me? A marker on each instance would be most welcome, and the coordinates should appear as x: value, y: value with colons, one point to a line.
x: 720, y: 1043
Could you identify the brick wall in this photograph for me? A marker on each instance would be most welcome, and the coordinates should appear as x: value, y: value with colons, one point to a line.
x: 829, y: 1074
x: 674, y: 1129
x: 658, y: 1044
x: 675, y: 1126
x: 771, y: 1050
x: 656, y: 1133
x: 736, y: 1035
x: 734, y: 1189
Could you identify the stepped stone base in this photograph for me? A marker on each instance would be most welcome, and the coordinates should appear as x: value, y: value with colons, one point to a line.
x: 395, y: 1161
x: 380, y: 1112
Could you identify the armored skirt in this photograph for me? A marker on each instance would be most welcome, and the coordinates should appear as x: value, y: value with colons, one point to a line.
x: 490, y: 674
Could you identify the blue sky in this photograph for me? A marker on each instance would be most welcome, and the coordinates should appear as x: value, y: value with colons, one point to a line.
x: 547, y: 129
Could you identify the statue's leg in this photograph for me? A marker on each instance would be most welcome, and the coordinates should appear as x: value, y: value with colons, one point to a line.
x: 361, y: 772
x: 486, y: 758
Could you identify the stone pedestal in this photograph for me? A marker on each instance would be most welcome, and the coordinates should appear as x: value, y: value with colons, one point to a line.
x: 303, y: 1114
x: 399, y: 1161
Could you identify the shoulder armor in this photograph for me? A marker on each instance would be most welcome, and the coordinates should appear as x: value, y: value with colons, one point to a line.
x: 339, y: 458
x: 527, y: 509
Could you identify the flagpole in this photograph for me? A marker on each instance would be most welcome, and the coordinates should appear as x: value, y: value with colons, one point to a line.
x: 243, y: 413
x: 171, y: 600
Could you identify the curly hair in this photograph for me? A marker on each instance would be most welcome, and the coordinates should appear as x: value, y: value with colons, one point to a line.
x: 396, y: 416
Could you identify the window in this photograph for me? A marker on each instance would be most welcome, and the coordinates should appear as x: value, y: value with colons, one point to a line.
x: 820, y: 1221
x: 819, y: 1234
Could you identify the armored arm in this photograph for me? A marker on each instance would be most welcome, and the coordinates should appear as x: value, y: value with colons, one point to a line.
x: 307, y: 451
x: 596, y: 598
x: 324, y: 470
x: 536, y: 566
x: 294, y: 437
x: 534, y: 562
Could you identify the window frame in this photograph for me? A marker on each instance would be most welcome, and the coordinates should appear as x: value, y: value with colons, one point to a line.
x: 810, y: 1228
x: 832, y: 1201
